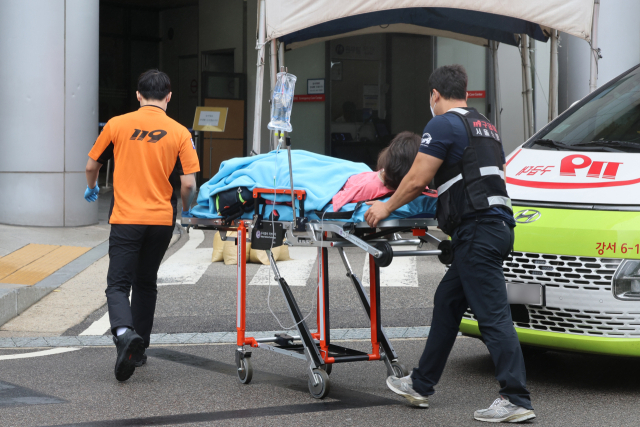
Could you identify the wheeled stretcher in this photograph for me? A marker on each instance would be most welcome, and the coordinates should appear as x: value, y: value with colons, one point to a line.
x: 316, y: 349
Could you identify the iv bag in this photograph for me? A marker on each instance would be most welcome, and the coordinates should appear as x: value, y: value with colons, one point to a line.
x: 281, y: 102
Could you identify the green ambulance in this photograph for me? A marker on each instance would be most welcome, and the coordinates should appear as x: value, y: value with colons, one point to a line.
x: 574, y: 277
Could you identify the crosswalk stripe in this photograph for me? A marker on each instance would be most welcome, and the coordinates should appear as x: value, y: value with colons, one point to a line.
x: 295, y: 272
x: 188, y: 264
x: 402, y: 271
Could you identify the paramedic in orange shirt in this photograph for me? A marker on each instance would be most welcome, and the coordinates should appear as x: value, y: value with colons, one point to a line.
x: 154, y: 156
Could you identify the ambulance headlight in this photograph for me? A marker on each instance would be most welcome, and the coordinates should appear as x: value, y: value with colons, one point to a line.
x: 626, y: 281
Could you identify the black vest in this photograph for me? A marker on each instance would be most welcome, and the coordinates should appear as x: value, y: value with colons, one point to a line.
x: 476, y: 183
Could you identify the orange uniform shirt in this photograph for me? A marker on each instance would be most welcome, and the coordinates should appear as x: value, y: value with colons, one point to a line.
x: 150, y: 152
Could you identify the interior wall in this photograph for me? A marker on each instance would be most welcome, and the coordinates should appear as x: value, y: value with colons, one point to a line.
x: 179, y: 34
x: 307, y: 118
x: 220, y: 26
x: 511, y: 119
x: 411, y: 65
x: 542, y: 52
x: 473, y: 58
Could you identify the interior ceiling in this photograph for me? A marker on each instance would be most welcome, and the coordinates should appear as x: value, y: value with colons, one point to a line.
x: 151, y: 4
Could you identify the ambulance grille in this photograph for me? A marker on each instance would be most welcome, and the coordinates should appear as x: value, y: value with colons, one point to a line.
x: 582, y: 322
x: 561, y: 271
x: 570, y: 273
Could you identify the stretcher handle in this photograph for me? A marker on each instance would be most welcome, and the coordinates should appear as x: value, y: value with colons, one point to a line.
x: 300, y: 194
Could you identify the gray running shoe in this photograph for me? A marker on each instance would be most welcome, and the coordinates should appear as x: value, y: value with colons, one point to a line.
x: 404, y: 387
x: 503, y: 411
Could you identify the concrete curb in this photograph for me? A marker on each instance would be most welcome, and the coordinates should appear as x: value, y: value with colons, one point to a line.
x: 14, y: 301
x: 202, y: 338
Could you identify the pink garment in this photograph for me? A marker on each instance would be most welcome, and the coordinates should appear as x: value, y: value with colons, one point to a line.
x: 365, y: 186
x: 360, y: 187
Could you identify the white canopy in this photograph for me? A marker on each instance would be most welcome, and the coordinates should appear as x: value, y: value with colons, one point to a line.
x: 570, y: 16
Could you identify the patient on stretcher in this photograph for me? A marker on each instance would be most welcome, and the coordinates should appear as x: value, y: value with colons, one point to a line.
x: 394, y: 163
x: 330, y: 184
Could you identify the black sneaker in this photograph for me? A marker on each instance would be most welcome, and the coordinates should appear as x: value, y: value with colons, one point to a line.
x: 130, y: 348
x: 142, y: 360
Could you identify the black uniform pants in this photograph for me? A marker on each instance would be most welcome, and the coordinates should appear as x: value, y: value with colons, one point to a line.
x: 476, y: 280
x: 135, y: 254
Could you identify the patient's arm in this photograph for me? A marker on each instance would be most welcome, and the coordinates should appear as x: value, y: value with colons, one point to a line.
x: 413, y: 184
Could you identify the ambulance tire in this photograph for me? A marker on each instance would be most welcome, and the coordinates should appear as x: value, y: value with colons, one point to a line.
x: 320, y: 390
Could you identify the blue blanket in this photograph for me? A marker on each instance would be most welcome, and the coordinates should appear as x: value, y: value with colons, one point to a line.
x: 320, y: 176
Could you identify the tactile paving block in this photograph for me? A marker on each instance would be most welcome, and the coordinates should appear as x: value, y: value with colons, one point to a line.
x: 22, y: 257
x: 45, y: 265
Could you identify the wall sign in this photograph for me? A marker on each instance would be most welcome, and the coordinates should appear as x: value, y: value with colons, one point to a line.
x: 210, y: 119
x: 315, y: 86
x: 476, y: 94
x: 308, y: 98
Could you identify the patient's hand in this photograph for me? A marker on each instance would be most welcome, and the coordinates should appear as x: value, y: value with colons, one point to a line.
x: 376, y: 213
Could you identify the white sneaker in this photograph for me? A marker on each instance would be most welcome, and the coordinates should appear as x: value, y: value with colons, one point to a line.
x: 404, y: 387
x: 503, y: 411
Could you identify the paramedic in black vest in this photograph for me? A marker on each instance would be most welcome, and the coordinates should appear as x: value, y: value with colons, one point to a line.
x: 461, y: 149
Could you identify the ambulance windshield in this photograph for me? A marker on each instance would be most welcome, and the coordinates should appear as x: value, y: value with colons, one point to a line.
x: 608, y: 122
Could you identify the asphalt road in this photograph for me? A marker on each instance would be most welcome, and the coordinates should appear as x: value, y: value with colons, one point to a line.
x: 197, y: 384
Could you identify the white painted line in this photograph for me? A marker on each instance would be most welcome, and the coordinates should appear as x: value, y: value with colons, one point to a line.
x: 402, y: 272
x: 295, y: 272
x: 39, y: 353
x: 188, y: 264
x: 99, y: 327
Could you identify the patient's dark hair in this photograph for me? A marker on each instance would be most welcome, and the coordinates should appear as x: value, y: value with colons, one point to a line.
x: 397, y: 158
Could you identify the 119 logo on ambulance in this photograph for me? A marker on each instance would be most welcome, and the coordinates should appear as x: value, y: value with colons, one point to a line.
x: 528, y: 170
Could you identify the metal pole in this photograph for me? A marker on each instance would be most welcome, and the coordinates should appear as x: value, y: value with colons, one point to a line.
x: 496, y: 83
x: 273, y: 65
x: 257, y: 120
x: 528, y: 88
x: 595, y: 51
x: 525, y: 105
x: 281, y: 54
x: 553, y: 77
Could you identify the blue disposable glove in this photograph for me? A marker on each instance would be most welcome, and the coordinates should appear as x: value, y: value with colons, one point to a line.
x: 186, y: 214
x: 91, y: 194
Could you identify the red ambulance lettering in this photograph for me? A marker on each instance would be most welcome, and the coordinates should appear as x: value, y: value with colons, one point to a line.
x: 569, y: 164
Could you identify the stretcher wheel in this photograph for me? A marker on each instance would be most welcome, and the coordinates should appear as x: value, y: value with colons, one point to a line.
x: 320, y: 390
x: 245, y: 370
x: 387, y: 254
x: 446, y: 257
x: 327, y: 368
x: 399, y: 370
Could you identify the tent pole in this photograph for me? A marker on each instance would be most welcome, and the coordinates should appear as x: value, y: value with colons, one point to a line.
x: 273, y: 65
x: 525, y: 105
x: 257, y: 118
x: 595, y: 51
x: 526, y: 60
x: 496, y: 83
x: 553, y: 77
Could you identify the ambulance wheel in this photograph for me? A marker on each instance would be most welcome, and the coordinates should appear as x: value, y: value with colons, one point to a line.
x: 446, y: 257
x: 327, y: 368
x: 399, y: 370
x: 245, y: 370
x: 321, y: 389
x: 387, y: 254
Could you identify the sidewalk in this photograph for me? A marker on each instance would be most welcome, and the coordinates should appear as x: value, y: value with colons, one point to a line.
x: 37, y: 260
